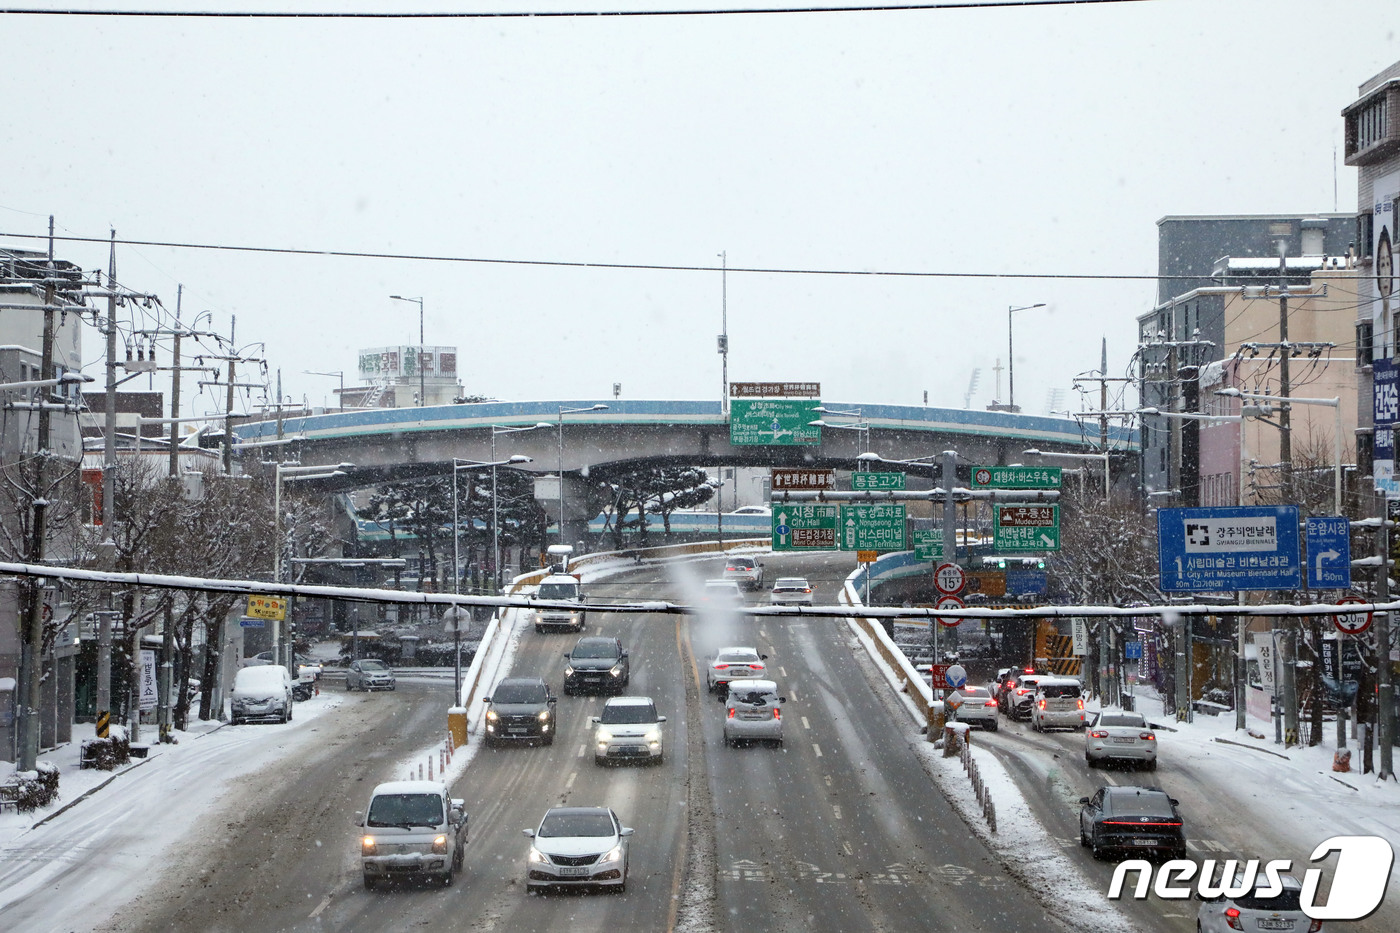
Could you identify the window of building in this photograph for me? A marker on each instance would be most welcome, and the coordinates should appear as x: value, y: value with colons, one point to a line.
x: 1365, y: 340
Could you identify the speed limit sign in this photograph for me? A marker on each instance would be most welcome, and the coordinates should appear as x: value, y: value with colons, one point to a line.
x: 1353, y: 623
x: 949, y: 579
x: 949, y: 602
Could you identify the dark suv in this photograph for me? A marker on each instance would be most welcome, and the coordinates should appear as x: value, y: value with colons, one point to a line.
x: 597, y: 663
x: 520, y: 709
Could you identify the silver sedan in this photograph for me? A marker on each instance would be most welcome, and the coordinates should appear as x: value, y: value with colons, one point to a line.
x: 977, y: 707
x: 1120, y: 735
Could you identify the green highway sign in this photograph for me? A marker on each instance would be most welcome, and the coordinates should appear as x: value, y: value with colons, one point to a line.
x: 863, y: 480
x: 802, y: 527
x: 874, y: 527
x: 782, y: 421
x: 1026, y: 527
x: 1015, y: 477
x: 928, y: 543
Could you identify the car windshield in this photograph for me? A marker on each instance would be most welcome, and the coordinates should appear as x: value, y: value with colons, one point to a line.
x: 405, y: 810
x: 373, y: 666
x: 740, y: 563
x: 1139, y: 805
x: 790, y: 583
x: 595, y: 649
x: 558, y: 591
x: 576, y: 823
x: 624, y: 713
x: 1123, y: 719
x: 974, y: 692
x: 519, y: 693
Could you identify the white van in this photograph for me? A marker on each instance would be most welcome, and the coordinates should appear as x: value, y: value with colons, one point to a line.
x: 261, y: 694
x: 412, y: 829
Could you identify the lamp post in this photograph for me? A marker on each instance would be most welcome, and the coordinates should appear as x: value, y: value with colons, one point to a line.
x: 291, y: 473
x: 1011, y: 357
x: 421, y: 384
x: 1072, y: 456
x: 340, y: 396
x: 562, y: 412
x: 495, y: 523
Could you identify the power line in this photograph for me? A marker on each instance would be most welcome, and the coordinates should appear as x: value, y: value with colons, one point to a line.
x: 561, y: 14
x: 570, y: 264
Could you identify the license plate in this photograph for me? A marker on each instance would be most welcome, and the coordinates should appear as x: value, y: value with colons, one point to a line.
x: 568, y: 872
x: 516, y: 729
x: 1128, y: 741
x: 1274, y: 923
x: 1144, y: 842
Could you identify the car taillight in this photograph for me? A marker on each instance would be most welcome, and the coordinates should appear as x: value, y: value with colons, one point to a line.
x: 1315, y: 926
x: 721, y: 667
x: 1147, y: 735
x: 777, y: 713
x: 755, y: 667
x: 991, y: 702
x: 1041, y: 704
x: 1081, y: 704
x: 1232, y: 917
x: 806, y: 589
x: 1098, y: 734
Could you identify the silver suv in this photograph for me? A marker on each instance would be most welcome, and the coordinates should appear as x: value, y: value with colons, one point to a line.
x: 745, y: 571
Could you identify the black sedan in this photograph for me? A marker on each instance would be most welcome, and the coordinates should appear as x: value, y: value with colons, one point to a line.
x: 1131, y: 819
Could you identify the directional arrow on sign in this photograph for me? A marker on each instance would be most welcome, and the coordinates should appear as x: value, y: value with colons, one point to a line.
x: 782, y: 527
x: 850, y: 533
x: 1326, y: 556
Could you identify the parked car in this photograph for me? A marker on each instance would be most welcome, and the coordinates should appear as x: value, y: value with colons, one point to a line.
x: 1259, y: 909
x: 1126, y: 736
x: 733, y: 663
x: 1131, y: 819
x: 412, y: 828
x: 520, y: 709
x: 597, y: 663
x: 753, y: 710
x: 628, y: 729
x: 577, y: 847
x: 745, y: 571
x: 977, y: 708
x: 369, y: 674
x: 261, y: 694
x: 791, y: 591
x: 1058, y: 704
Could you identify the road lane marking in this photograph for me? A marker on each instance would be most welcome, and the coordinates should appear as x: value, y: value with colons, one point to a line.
x: 805, y: 723
x: 325, y: 902
x: 782, y: 671
x: 570, y: 782
x: 836, y: 810
x: 817, y: 748
x: 847, y: 846
x: 581, y: 750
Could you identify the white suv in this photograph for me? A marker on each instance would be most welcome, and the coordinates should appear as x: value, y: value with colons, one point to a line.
x: 745, y: 571
x: 1058, y: 704
x: 628, y: 730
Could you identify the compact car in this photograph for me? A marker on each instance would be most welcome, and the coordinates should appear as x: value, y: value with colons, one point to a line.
x: 1258, y: 909
x: 1058, y: 704
x: 369, y: 674
x: 977, y: 707
x: 628, y: 730
x: 753, y: 710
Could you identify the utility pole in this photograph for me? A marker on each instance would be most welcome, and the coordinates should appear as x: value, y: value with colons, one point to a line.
x: 32, y: 654
x: 1289, y: 654
x: 1385, y: 692
x: 724, y: 332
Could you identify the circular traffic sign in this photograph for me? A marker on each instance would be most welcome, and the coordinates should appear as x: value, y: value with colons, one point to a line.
x: 956, y: 677
x: 949, y: 579
x: 1352, y: 623
x: 983, y: 477
x: 949, y: 602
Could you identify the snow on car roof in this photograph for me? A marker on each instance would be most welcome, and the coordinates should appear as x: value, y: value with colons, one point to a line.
x: 752, y: 685
x: 410, y: 787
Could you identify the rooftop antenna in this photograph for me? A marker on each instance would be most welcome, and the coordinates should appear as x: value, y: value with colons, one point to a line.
x: 972, y: 387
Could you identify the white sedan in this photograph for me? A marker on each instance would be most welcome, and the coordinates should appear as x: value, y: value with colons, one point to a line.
x: 975, y: 706
x: 791, y: 591
x: 733, y: 664
x: 1120, y: 735
x: 578, y: 847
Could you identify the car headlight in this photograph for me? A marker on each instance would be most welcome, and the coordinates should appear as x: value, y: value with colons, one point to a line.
x: 440, y: 844
x: 615, y: 855
x: 568, y: 670
x: 604, y: 735
x: 368, y: 846
x: 536, y: 857
x: 653, y: 736
x: 617, y: 670
x: 491, y: 715
x: 544, y: 715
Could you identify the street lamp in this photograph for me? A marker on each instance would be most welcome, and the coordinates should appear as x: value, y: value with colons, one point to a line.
x: 1071, y: 456
x: 421, y: 385
x: 860, y: 425
x: 340, y: 396
x: 1011, y: 357
x: 495, y: 524
x: 562, y: 412
x: 291, y: 473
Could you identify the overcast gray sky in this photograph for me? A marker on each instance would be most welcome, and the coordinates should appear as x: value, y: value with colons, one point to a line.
x: 1002, y: 149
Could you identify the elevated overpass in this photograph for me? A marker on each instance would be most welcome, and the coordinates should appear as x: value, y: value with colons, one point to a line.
x: 389, y: 444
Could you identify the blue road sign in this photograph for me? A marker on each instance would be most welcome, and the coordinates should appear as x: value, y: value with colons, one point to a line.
x: 1132, y: 650
x: 248, y: 622
x: 1241, y: 548
x: 1329, y: 553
